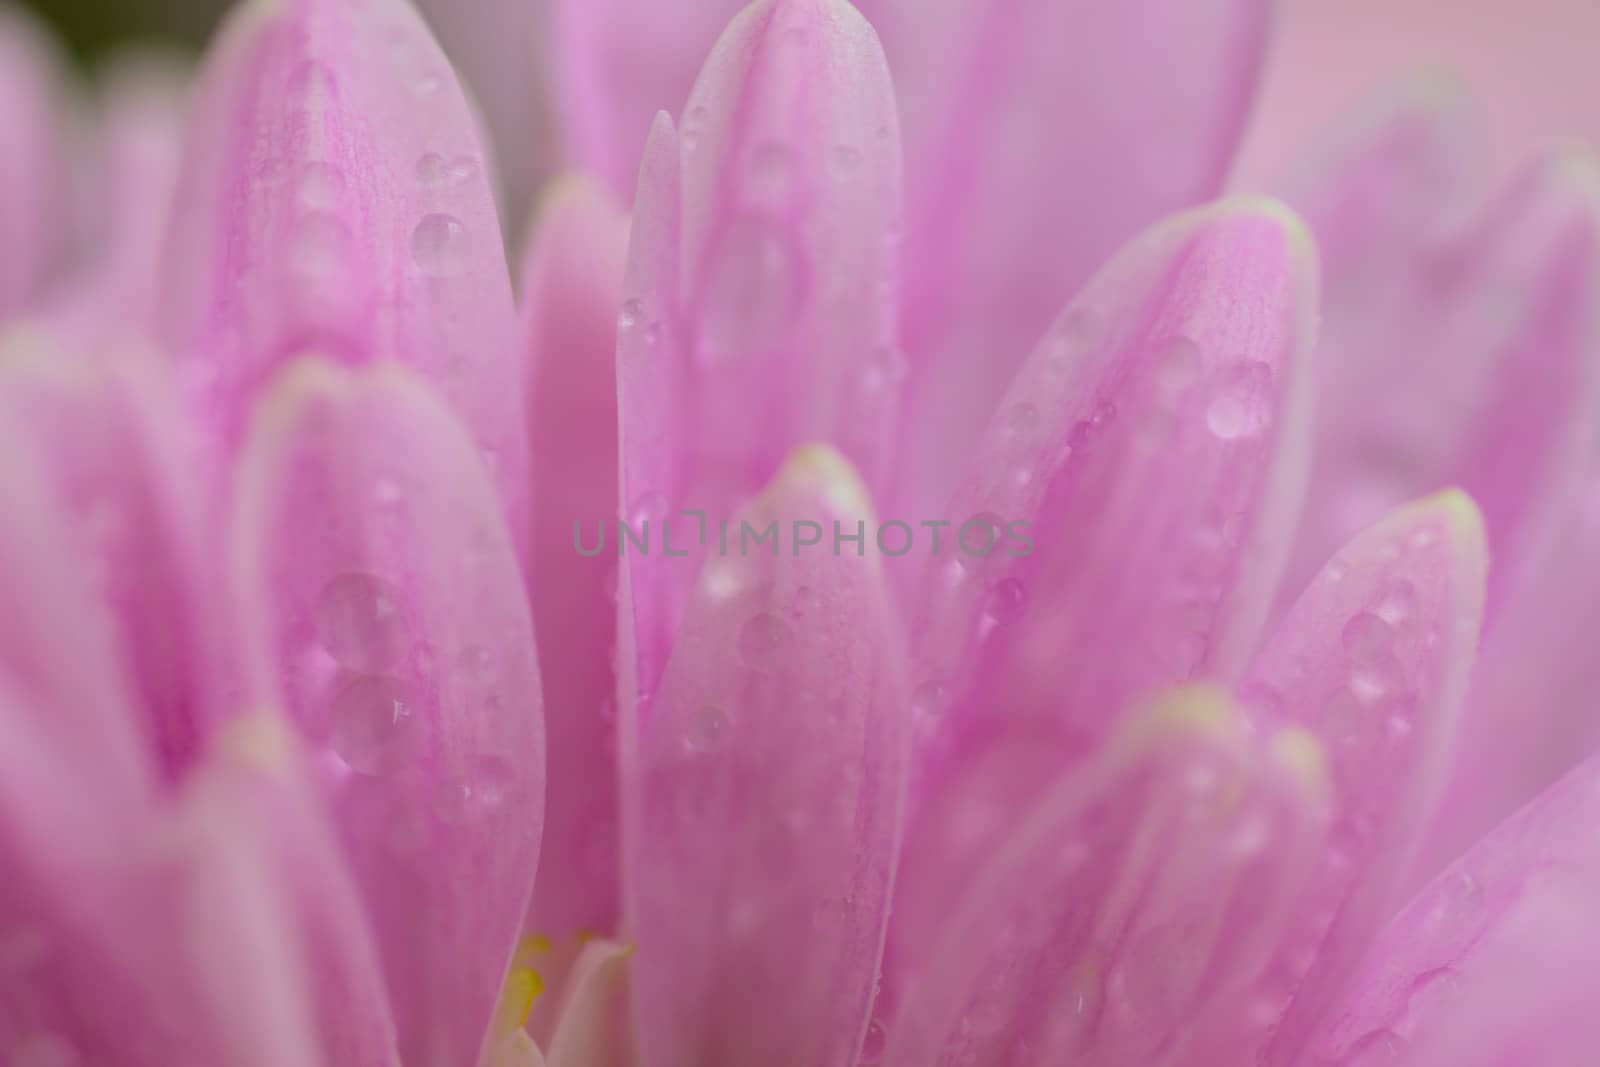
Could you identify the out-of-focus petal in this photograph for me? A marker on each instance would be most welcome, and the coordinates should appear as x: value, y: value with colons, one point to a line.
x: 1132, y: 902
x: 501, y: 53
x: 619, y: 62
x: 112, y: 439
x: 1121, y: 527
x: 760, y: 310
x: 763, y: 821
x: 373, y: 561
x: 335, y: 197
x: 33, y: 159
x: 1490, y: 332
x: 138, y: 146
x: 574, y: 288
x: 1373, y: 659
x: 1494, y: 962
x: 1039, y: 137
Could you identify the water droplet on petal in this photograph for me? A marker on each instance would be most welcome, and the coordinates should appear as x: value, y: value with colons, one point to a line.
x: 439, y: 245
x: 359, y: 622
x: 320, y: 185
x: 761, y: 641
x: 1397, y: 602
x: 476, y: 664
x: 707, y: 730
x: 432, y: 169
x: 320, y: 245
x: 1178, y: 363
x: 1238, y: 408
x: 845, y: 162
x: 772, y: 169
x: 649, y: 506
x: 631, y: 315
x: 752, y: 292
x: 312, y: 83
x: 428, y: 85
x: 929, y: 700
x: 874, y: 1044
x: 1007, y: 601
x: 373, y: 724
x: 1019, y: 421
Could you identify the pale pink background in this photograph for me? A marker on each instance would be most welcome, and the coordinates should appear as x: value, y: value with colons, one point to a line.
x: 1531, y: 69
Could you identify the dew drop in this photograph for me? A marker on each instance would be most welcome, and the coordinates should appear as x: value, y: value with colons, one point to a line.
x: 427, y: 86
x: 631, y: 315
x: 439, y: 245
x: 320, y: 245
x: 761, y: 641
x: 752, y: 292
x: 874, y: 1044
x: 1007, y: 601
x: 929, y: 700
x: 359, y: 622
x: 1242, y: 403
x: 1177, y: 366
x: 845, y: 162
x: 707, y: 730
x: 312, y: 83
x: 320, y: 185
x: 649, y: 506
x: 1367, y: 639
x: 432, y: 169
x: 476, y: 664
x: 1080, y: 331
x: 772, y: 169
x: 1019, y: 421
x: 1397, y: 602
x: 373, y: 724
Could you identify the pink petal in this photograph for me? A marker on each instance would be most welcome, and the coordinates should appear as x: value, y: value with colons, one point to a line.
x: 1133, y: 901
x: 619, y: 62
x: 1491, y: 331
x: 574, y: 286
x: 33, y: 208
x: 335, y: 198
x: 143, y: 105
x: 1494, y: 962
x: 765, y: 815
x: 373, y: 561
x: 1039, y: 137
x: 113, y: 442
x: 1374, y: 660
x: 1120, y: 528
x: 760, y: 305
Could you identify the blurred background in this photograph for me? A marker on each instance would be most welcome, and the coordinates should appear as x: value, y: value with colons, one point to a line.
x: 1527, y: 65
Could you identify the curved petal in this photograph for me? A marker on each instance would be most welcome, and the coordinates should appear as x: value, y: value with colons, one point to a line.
x: 1132, y: 902
x: 1039, y: 137
x: 334, y: 197
x: 1121, y: 527
x: 1374, y: 660
x: 591, y: 1028
x: 1493, y: 331
x: 1494, y: 961
x: 33, y: 159
x: 116, y: 446
x: 760, y: 307
x: 374, y: 567
x: 574, y: 288
x: 764, y: 819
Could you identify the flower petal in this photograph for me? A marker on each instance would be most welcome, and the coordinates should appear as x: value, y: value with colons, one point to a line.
x: 114, y: 443
x: 1493, y: 962
x: 1039, y: 137
x: 765, y: 815
x: 1120, y: 528
x: 591, y: 1031
x: 33, y: 211
x: 1491, y: 331
x: 574, y: 284
x: 1132, y: 902
x: 335, y: 197
x: 1374, y: 660
x: 759, y: 313
x: 373, y: 562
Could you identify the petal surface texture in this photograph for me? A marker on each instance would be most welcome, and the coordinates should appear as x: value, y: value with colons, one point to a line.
x: 335, y: 197
x: 1129, y: 904
x: 766, y: 809
x: 374, y: 563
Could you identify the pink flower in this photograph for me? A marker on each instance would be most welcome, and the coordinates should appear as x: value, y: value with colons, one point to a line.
x: 1042, y: 613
